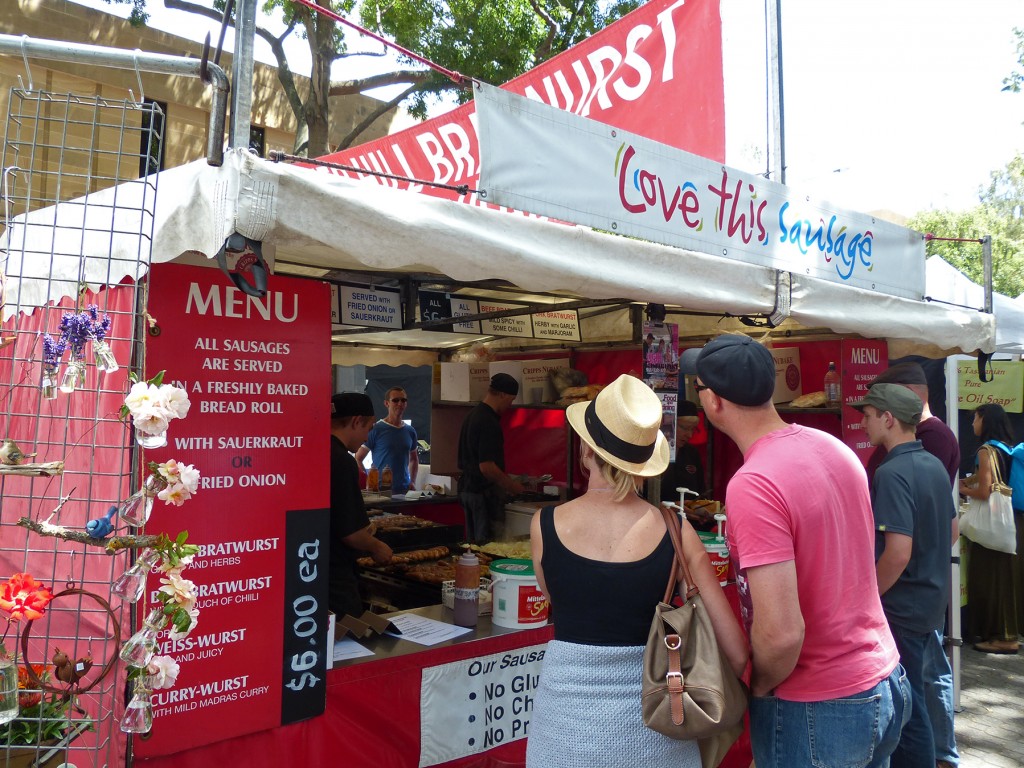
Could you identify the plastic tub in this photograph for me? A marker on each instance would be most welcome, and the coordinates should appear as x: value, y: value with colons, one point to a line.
x: 517, y: 601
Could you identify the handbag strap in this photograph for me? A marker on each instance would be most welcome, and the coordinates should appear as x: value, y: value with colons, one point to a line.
x: 675, y: 533
x: 997, y: 475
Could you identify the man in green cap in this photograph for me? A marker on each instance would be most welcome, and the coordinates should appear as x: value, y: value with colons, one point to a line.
x: 915, y: 524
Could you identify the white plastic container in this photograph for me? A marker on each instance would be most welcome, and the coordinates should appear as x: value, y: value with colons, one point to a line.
x: 518, y: 602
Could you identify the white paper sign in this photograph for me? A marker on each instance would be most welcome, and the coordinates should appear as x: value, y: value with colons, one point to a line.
x: 371, y: 307
x: 473, y: 705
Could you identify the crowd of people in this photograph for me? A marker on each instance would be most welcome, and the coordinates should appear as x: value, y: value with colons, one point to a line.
x: 838, y: 673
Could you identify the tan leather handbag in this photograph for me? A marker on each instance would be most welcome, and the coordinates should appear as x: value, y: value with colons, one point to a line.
x: 689, y: 688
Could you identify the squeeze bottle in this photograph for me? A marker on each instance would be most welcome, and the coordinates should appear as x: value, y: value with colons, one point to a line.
x: 467, y: 590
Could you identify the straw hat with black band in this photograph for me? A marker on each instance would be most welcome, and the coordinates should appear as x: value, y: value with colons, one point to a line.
x: 623, y: 426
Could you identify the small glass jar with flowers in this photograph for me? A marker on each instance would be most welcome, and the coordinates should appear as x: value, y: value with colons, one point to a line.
x: 152, y: 406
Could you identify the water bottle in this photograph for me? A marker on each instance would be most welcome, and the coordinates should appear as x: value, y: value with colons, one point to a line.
x: 833, y: 399
x: 467, y: 590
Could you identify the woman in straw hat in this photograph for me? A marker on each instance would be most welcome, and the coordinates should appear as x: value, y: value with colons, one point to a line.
x: 603, y: 560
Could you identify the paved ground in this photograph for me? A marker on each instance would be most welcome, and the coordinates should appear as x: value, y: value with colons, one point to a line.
x: 990, y: 725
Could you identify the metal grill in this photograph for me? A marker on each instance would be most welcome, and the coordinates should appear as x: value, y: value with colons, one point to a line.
x: 74, y: 169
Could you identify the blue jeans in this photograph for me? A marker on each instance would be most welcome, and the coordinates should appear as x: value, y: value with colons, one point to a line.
x: 917, y: 742
x: 858, y: 731
x: 938, y: 692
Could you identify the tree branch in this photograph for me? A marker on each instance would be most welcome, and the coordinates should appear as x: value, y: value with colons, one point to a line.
x: 349, y: 87
x: 112, y: 545
x: 544, y: 48
x: 46, y: 469
x: 368, y: 120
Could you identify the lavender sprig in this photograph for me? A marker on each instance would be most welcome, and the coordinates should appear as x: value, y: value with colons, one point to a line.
x: 53, y: 351
x: 76, y: 331
x: 98, y: 328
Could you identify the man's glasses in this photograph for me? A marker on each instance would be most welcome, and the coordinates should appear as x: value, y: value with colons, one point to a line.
x: 399, y: 399
x: 698, y: 387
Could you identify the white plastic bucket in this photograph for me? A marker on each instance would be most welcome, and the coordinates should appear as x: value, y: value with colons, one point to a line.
x: 718, y: 554
x: 518, y: 602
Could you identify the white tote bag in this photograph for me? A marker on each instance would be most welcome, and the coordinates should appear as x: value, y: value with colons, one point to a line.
x: 989, y: 522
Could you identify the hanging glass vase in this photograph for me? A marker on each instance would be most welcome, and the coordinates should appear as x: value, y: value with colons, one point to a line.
x: 8, y: 690
x: 140, y: 647
x: 104, y: 357
x: 74, y: 375
x: 148, y: 440
x: 136, y: 509
x: 48, y: 384
x: 138, y: 715
x: 131, y: 584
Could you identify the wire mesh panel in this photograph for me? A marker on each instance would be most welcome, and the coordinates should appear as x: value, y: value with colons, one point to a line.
x: 74, y: 172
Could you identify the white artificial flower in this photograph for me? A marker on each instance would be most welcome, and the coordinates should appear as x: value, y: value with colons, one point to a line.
x: 150, y: 420
x: 175, y: 400
x: 176, y: 494
x: 169, y: 470
x: 163, y: 672
x: 180, y: 591
x: 141, y: 396
x: 188, y: 476
x: 166, y: 566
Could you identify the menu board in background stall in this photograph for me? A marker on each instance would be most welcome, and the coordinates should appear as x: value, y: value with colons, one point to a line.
x: 257, y: 373
x: 861, y: 360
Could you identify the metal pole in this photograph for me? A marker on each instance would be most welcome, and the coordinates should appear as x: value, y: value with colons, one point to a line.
x: 986, y: 259
x: 241, y: 74
x: 775, y: 78
x: 119, y: 58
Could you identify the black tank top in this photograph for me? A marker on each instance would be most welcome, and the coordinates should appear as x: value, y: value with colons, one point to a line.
x: 598, y: 603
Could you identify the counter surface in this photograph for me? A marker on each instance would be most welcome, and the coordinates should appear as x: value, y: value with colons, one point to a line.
x: 390, y: 647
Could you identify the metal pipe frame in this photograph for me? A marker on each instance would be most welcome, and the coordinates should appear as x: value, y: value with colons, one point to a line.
x: 119, y: 58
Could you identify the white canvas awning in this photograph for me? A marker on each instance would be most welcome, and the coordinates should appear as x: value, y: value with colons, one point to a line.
x: 324, y: 220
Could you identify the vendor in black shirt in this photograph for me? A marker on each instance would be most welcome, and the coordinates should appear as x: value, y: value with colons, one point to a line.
x: 351, y: 420
x: 687, y: 471
x: 483, y: 483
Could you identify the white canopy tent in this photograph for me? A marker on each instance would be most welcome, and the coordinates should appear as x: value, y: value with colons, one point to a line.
x: 946, y: 283
x: 325, y: 220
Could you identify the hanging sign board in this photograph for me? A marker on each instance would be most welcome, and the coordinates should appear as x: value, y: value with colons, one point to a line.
x: 553, y: 163
x: 1006, y: 387
x: 562, y: 324
x: 367, y: 307
x: 257, y: 374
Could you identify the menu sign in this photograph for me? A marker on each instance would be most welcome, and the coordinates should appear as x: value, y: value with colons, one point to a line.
x: 862, y: 361
x: 560, y: 324
x: 257, y: 374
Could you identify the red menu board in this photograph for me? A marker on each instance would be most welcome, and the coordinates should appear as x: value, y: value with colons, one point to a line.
x: 257, y: 373
x: 862, y: 360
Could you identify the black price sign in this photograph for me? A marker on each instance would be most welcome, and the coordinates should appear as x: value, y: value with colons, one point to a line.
x: 304, y: 671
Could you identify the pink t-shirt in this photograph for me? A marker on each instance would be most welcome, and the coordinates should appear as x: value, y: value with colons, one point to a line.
x: 802, y: 495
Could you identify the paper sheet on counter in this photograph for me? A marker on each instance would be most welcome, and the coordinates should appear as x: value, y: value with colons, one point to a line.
x: 347, y: 648
x: 418, y: 629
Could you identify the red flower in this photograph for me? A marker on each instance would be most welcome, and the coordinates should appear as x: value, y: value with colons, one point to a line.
x: 30, y: 699
x: 24, y: 597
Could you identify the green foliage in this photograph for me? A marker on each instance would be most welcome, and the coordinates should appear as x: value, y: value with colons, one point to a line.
x: 999, y: 214
x: 46, y: 721
x: 1015, y: 80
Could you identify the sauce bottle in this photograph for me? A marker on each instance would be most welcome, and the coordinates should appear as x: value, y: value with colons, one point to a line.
x: 833, y: 399
x: 467, y: 590
x: 373, y: 479
x: 385, y: 479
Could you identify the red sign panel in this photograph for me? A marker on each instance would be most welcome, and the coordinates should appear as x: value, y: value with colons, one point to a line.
x: 862, y: 361
x: 656, y: 72
x: 257, y: 373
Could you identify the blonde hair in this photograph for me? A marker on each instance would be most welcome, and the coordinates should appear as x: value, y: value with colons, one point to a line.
x: 623, y: 483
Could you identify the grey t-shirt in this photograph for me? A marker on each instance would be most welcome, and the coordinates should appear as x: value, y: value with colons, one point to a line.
x: 911, y: 495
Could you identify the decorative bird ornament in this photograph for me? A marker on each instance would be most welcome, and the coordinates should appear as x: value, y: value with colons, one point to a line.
x: 11, y: 454
x: 102, y: 526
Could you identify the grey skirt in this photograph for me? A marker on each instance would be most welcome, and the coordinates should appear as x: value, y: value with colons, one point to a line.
x: 586, y: 713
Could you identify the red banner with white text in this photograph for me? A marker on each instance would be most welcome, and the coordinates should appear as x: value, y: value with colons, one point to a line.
x: 656, y: 72
x: 257, y: 374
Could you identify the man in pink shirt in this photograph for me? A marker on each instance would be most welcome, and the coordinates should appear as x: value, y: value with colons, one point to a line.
x: 827, y: 685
